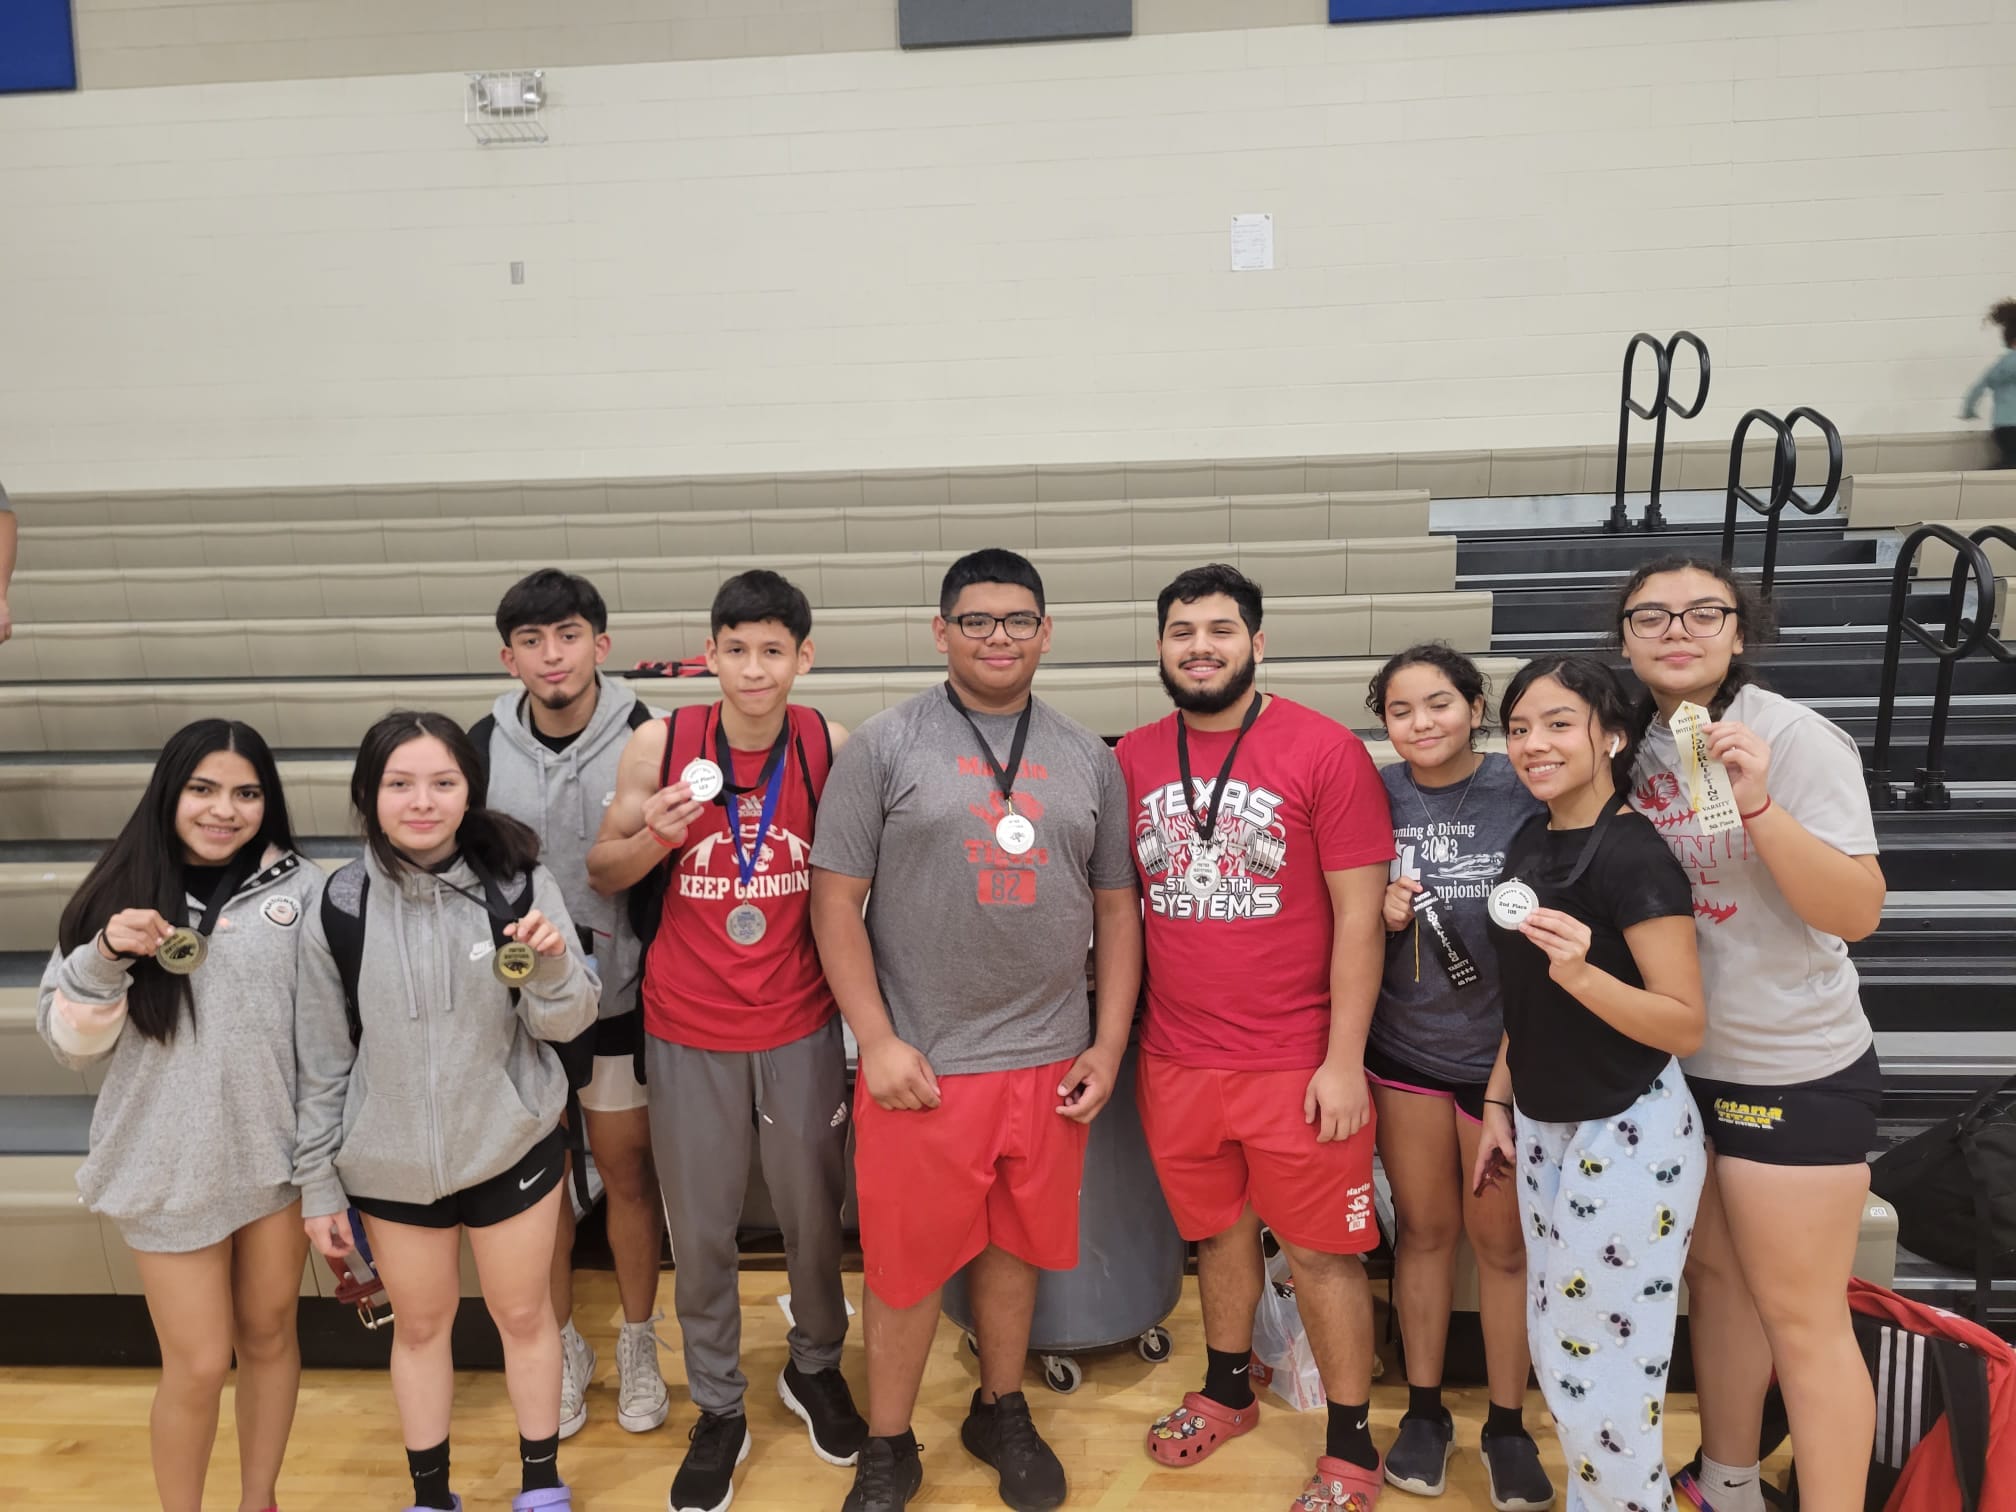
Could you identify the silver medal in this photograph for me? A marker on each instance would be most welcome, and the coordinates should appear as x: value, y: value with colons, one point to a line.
x: 747, y: 924
x: 1510, y: 902
x: 1014, y: 834
x: 703, y: 779
x: 1202, y: 878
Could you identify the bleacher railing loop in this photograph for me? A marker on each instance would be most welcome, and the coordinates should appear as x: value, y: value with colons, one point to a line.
x: 1960, y: 638
x: 1783, y: 488
x: 1663, y: 403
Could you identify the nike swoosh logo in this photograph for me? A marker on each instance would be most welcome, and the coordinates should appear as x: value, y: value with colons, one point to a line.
x: 526, y: 1184
x: 1363, y: 1421
x: 1240, y: 1371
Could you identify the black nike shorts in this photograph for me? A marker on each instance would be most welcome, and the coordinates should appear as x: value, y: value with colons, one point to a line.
x: 1828, y: 1121
x: 503, y: 1196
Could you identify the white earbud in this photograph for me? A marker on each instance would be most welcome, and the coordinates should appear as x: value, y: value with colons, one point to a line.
x: 1616, y: 745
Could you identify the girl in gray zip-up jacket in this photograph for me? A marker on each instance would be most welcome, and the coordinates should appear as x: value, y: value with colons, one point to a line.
x: 192, y: 1137
x: 441, y: 1111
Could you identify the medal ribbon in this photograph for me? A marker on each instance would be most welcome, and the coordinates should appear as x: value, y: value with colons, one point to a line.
x: 745, y: 863
x: 1003, y: 779
x: 1708, y: 791
x: 236, y: 872
x: 1208, y: 827
x: 493, y: 902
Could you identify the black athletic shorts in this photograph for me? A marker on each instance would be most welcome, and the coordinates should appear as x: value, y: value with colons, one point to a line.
x: 503, y: 1196
x: 1830, y: 1121
x: 1390, y: 1071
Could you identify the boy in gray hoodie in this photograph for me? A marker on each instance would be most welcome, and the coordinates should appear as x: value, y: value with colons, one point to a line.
x: 436, y: 979
x: 552, y: 753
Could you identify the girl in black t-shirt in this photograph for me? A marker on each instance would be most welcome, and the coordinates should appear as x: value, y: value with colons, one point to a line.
x: 1602, y: 988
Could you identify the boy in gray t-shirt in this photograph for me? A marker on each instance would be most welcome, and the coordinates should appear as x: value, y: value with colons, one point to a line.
x: 988, y: 837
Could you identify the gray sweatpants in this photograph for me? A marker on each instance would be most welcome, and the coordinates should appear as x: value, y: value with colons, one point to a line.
x: 707, y: 1108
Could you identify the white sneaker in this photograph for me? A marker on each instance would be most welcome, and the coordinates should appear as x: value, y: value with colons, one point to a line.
x: 577, y: 1367
x: 641, y: 1401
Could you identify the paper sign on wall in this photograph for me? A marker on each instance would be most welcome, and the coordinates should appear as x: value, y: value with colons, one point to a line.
x: 1252, y: 243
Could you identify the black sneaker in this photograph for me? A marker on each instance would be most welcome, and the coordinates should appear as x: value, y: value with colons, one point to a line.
x: 1004, y: 1435
x: 826, y: 1407
x: 1518, y: 1483
x: 886, y: 1475
x: 706, y: 1479
x: 1419, y: 1459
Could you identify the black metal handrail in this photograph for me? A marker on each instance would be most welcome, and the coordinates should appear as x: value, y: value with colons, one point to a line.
x: 1961, y: 637
x: 1663, y: 403
x: 1991, y: 642
x: 1784, y: 482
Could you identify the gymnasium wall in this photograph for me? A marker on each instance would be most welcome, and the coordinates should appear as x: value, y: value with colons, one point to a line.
x: 880, y: 259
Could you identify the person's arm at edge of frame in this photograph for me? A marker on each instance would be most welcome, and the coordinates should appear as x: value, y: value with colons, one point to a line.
x: 1338, y: 1101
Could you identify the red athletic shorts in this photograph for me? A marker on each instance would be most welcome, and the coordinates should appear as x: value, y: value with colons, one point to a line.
x: 993, y: 1163
x: 1226, y: 1140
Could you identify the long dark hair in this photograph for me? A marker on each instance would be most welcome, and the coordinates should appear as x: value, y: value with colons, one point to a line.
x: 1464, y: 676
x: 1597, y: 686
x: 1755, y: 622
x: 142, y: 868
x: 494, y: 843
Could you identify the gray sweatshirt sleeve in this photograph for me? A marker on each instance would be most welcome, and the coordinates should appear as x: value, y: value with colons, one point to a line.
x: 323, y: 1056
x: 559, y: 1000
x: 81, y: 1011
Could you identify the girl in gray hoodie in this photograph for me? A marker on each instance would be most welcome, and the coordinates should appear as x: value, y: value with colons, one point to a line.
x: 192, y: 1138
x: 431, y: 1101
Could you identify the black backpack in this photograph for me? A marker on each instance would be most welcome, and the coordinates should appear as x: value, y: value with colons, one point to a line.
x: 343, y: 912
x: 1954, y: 1188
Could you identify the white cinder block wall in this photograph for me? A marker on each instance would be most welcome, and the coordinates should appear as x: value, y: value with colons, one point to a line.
x: 876, y: 259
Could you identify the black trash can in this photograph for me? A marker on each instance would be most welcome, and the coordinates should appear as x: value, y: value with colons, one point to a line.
x: 1130, y: 1257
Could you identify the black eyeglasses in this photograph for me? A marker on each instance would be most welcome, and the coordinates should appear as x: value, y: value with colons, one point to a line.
x: 1021, y: 625
x: 1649, y: 621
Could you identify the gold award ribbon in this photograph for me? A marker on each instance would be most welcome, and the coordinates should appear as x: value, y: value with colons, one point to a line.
x: 1708, y: 791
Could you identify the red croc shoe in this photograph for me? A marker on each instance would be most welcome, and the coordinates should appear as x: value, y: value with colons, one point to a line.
x: 1339, y: 1486
x: 1189, y: 1434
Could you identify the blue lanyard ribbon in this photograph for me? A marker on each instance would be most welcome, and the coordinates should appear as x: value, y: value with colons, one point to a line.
x: 745, y: 862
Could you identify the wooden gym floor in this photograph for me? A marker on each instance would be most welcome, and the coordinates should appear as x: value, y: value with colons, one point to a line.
x: 78, y: 1438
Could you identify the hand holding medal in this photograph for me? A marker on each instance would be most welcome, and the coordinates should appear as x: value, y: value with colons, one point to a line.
x: 135, y: 932
x: 669, y: 813
x: 525, y: 940
x: 1563, y: 938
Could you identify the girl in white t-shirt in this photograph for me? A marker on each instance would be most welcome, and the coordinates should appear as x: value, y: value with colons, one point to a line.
x: 1786, y: 1077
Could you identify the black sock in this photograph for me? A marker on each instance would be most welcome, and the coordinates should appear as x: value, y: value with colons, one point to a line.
x: 429, y: 1469
x: 1225, y: 1378
x: 538, y: 1463
x: 1350, y: 1438
x: 1505, y: 1420
x: 1425, y: 1402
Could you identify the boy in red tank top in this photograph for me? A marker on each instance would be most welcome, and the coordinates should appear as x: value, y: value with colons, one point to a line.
x: 743, y: 1043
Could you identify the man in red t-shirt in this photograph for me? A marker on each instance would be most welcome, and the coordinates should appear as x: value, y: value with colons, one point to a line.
x: 743, y: 1041
x: 1262, y: 835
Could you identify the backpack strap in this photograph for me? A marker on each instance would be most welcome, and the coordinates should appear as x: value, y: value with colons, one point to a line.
x: 1963, y: 1383
x: 344, y: 931
x: 819, y: 764
x: 480, y: 734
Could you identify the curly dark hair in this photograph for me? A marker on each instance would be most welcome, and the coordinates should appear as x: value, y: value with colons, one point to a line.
x: 2004, y: 315
x: 1464, y: 676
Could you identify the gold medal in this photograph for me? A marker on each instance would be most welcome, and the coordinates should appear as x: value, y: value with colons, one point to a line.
x: 182, y: 952
x: 513, y: 962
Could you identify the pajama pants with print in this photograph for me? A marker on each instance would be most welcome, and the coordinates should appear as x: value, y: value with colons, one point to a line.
x: 1608, y: 1207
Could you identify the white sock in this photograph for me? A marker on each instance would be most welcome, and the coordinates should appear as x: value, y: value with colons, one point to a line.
x: 1733, y: 1488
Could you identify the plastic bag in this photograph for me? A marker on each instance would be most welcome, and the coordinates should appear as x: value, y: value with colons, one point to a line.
x: 1282, y: 1358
